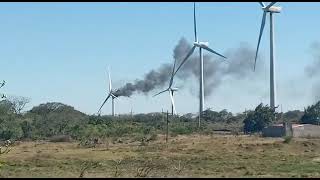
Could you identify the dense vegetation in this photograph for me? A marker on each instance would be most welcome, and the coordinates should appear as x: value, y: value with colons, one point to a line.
x: 261, y: 117
x: 55, y: 119
x: 312, y: 114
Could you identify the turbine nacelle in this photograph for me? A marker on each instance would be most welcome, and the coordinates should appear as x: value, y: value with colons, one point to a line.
x: 201, y: 44
x: 272, y: 9
x: 174, y: 89
x: 113, y: 96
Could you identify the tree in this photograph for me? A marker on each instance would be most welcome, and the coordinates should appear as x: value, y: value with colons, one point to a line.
x: 292, y: 116
x: 1, y: 85
x: 6, y: 108
x: 213, y: 116
x: 311, y: 114
x: 55, y: 118
x: 258, y: 119
x: 18, y: 103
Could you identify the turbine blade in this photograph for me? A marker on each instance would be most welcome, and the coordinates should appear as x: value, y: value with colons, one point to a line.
x: 270, y: 5
x: 161, y: 92
x: 172, y: 101
x: 171, y: 79
x: 185, y: 59
x: 195, y: 22
x: 214, y: 52
x: 104, y: 102
x: 110, y: 84
x: 261, y: 32
x: 262, y: 4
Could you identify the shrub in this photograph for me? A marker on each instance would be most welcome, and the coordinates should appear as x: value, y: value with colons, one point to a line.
x: 287, y: 139
x: 61, y: 138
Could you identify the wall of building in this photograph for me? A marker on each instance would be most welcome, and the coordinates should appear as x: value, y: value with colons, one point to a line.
x: 307, y: 130
x: 302, y: 131
x: 273, y: 131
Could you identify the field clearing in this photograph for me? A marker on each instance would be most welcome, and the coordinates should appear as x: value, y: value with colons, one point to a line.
x: 183, y: 156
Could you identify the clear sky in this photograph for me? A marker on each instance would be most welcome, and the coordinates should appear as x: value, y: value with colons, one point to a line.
x: 60, y: 51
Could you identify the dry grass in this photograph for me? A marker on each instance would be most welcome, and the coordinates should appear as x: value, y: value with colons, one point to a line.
x: 183, y: 156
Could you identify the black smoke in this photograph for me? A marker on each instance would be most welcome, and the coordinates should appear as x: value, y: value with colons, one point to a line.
x: 152, y: 80
x: 239, y: 65
x: 312, y: 70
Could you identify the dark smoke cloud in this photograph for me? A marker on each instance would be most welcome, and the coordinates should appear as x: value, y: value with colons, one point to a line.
x: 153, y: 80
x: 312, y: 70
x: 239, y: 66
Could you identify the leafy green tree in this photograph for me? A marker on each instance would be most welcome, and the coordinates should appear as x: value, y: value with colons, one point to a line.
x: 9, y: 122
x: 292, y: 116
x: 2, y: 96
x: 26, y: 128
x: 256, y: 120
x: 6, y: 107
x: 56, y: 119
x: 311, y: 114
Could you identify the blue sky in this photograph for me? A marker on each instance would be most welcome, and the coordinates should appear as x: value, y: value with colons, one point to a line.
x: 60, y: 51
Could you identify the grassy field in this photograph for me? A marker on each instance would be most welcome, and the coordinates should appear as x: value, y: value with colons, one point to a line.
x: 182, y: 156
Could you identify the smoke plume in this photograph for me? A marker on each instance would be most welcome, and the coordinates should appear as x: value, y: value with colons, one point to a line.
x: 312, y: 70
x: 239, y: 65
x: 152, y: 80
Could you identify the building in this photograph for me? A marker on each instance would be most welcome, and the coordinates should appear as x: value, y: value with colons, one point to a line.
x: 295, y: 130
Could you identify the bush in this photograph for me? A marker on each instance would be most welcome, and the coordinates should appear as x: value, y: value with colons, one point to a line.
x: 153, y: 137
x: 287, y: 139
x: 61, y: 138
x: 180, y: 130
x: 10, y: 129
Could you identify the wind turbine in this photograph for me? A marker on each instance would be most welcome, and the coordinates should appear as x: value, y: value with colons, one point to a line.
x: 269, y: 9
x: 171, y: 90
x: 111, y: 94
x: 201, y: 45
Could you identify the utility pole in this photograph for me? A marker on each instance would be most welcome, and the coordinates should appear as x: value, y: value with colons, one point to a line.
x: 167, y: 127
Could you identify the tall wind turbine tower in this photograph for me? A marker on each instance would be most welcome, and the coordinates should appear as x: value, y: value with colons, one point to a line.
x: 271, y: 10
x: 201, y: 45
x: 111, y: 94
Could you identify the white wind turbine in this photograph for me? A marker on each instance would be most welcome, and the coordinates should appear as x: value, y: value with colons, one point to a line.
x: 171, y: 91
x: 269, y: 9
x: 201, y: 45
x: 111, y: 94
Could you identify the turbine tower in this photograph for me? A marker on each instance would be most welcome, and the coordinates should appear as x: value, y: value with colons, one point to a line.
x: 171, y: 90
x: 111, y: 94
x: 201, y: 45
x: 269, y: 9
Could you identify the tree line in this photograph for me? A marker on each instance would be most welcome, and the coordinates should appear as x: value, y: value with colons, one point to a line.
x: 54, y: 118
